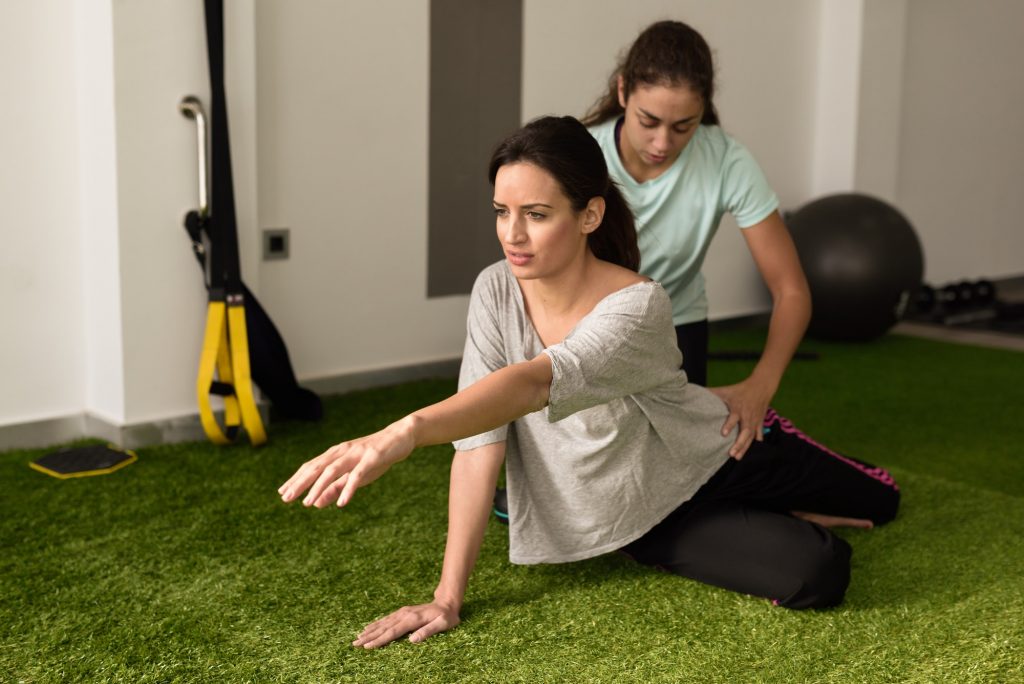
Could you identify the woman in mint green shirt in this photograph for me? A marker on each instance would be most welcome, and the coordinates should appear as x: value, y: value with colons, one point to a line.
x: 660, y: 135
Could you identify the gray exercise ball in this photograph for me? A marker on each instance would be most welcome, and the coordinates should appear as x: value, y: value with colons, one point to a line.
x: 863, y: 262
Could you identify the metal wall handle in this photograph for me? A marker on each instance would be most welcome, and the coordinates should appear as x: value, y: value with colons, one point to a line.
x: 191, y: 108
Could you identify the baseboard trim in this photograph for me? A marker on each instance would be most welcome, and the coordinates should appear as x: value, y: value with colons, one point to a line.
x: 382, y: 377
x: 63, y: 429
x: 40, y: 433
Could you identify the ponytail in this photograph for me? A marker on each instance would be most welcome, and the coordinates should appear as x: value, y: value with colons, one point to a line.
x: 615, y: 239
x: 607, y: 106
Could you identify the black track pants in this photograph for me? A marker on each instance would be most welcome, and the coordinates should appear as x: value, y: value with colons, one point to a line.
x: 737, y: 531
x: 692, y: 339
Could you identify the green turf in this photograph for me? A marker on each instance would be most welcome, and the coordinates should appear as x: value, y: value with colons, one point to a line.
x: 186, y: 567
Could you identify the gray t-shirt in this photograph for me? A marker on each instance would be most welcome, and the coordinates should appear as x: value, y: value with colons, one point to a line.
x: 624, y: 439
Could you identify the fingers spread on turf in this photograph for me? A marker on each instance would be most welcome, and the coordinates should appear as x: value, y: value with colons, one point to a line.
x: 435, y: 626
x: 377, y: 637
x: 419, y: 622
x: 386, y: 630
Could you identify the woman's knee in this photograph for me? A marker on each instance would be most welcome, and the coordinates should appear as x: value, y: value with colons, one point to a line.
x: 819, y: 578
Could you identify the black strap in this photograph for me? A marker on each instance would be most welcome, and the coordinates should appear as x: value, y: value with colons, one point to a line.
x: 196, y: 227
x: 270, y: 367
x: 225, y: 272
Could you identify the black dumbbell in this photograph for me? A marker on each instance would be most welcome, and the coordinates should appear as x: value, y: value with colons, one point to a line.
x: 923, y: 301
x: 948, y: 297
x: 984, y: 292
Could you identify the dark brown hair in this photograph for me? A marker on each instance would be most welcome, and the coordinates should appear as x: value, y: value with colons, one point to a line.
x: 668, y: 53
x: 563, y: 147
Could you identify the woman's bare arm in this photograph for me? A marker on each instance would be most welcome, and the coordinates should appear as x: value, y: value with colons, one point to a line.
x: 473, y: 477
x: 493, y: 401
x: 777, y: 260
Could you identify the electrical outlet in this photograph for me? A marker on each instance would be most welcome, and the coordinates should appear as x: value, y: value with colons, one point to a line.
x: 276, y: 243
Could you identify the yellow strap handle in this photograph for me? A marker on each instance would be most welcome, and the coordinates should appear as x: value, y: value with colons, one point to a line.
x: 243, y: 382
x: 232, y: 412
x: 215, y: 332
x: 226, y: 350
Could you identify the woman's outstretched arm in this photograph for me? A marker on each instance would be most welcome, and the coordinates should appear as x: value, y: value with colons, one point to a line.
x: 474, y: 474
x: 493, y: 401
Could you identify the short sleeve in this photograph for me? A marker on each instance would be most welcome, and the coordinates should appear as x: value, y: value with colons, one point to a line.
x: 484, y: 351
x: 625, y: 346
x: 746, y: 193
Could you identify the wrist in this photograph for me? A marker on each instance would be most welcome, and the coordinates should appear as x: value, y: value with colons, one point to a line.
x: 409, y: 429
x: 767, y: 379
x: 447, y: 598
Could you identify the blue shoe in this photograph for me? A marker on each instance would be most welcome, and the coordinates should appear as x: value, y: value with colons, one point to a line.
x: 501, y: 505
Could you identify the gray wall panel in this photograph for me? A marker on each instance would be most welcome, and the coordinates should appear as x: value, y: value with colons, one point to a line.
x: 475, y: 100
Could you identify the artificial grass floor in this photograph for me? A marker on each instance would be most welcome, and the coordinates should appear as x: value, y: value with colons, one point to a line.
x: 186, y: 567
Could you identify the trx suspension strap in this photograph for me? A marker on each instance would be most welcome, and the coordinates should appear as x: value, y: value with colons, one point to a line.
x: 215, y: 245
x: 226, y: 342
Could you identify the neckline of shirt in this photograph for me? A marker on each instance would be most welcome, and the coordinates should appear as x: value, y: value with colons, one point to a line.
x: 532, y: 330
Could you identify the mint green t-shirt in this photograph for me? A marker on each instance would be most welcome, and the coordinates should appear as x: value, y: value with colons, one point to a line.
x: 678, y: 212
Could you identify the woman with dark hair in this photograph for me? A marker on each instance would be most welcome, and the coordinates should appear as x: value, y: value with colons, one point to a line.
x: 571, y: 375
x: 680, y: 172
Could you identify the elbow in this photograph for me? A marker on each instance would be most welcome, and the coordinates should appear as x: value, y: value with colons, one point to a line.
x: 539, y: 392
x: 795, y: 296
x: 538, y: 381
x: 801, y: 297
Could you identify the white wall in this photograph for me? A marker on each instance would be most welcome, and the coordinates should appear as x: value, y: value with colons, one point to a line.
x: 961, y: 146
x: 105, y: 301
x: 159, y: 49
x: 102, y: 335
x: 880, y: 105
x: 837, y: 94
x: 766, y: 78
x: 42, y: 369
x: 342, y: 101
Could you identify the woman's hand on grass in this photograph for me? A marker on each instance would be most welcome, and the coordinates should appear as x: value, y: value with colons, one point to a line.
x: 334, y: 475
x: 747, y: 402
x: 419, y: 622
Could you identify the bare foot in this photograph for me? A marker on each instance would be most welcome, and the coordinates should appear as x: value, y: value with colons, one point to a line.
x: 834, y: 520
